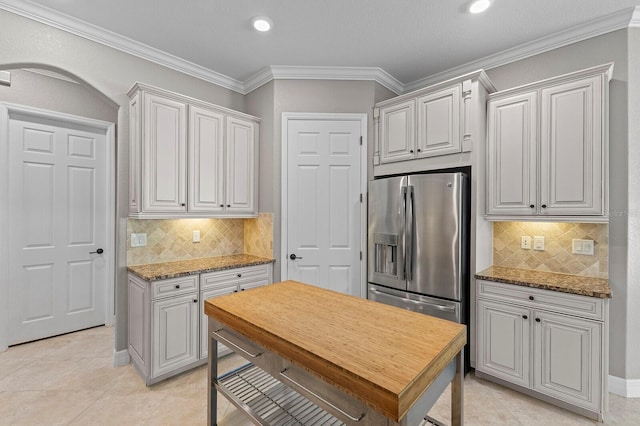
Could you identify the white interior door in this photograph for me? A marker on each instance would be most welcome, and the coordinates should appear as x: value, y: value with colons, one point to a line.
x: 57, y: 217
x: 323, y: 217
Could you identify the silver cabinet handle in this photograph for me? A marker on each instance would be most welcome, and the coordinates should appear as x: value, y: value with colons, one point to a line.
x: 230, y: 343
x: 338, y: 409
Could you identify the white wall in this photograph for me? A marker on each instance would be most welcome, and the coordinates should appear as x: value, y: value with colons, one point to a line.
x: 281, y: 96
x: 612, y: 47
x: 633, y: 190
x: 29, y: 44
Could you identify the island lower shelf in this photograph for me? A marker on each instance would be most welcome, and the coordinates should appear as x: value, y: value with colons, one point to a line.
x: 268, y: 401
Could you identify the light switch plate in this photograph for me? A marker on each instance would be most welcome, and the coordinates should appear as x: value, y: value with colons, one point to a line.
x: 582, y: 247
x: 138, y: 240
x: 538, y: 243
x: 525, y: 242
x: 196, y: 236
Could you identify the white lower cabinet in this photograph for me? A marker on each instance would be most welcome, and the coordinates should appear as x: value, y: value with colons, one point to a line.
x: 175, y: 333
x: 219, y: 283
x: 167, y: 324
x: 548, y: 344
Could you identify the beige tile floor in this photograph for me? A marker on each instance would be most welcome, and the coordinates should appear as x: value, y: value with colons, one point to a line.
x: 70, y: 380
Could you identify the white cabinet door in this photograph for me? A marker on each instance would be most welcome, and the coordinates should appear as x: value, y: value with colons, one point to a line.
x: 206, y: 160
x: 503, y: 341
x: 439, y: 122
x: 204, y: 319
x: 240, y: 152
x: 175, y: 333
x: 571, y: 181
x: 397, y: 132
x: 512, y: 153
x: 567, y: 359
x: 164, y: 155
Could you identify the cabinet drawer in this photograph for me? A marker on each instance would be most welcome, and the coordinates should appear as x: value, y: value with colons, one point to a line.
x: 570, y: 304
x: 250, y: 273
x: 174, y: 286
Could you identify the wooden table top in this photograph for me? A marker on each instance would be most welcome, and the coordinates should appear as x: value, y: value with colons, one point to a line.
x: 384, y: 356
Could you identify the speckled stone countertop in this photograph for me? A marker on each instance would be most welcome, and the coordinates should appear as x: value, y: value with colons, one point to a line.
x: 566, y: 283
x: 180, y: 268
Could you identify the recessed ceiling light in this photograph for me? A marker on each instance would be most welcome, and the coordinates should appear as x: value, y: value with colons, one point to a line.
x: 479, y: 6
x: 262, y: 23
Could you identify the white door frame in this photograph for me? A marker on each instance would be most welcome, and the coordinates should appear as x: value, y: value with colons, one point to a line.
x: 6, y: 109
x: 284, y: 230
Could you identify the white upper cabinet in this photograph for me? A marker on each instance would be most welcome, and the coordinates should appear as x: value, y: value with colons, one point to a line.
x: 546, y: 148
x: 189, y: 158
x: 397, y: 130
x: 206, y: 160
x: 439, y: 122
x: 240, y: 147
x: 164, y: 146
x: 571, y: 148
x: 435, y: 127
x: 512, y: 160
x: 425, y: 126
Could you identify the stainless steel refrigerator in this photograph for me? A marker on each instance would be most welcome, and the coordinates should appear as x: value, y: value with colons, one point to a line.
x: 418, y: 243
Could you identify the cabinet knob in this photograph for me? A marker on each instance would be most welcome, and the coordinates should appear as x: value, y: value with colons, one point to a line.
x: 537, y: 319
x: 411, y: 151
x: 242, y: 289
x: 228, y: 205
x: 531, y: 297
x: 195, y: 300
x: 532, y: 206
x: 177, y: 285
x: 419, y: 150
x: 221, y: 205
x: 183, y: 204
x: 239, y: 275
x: 235, y: 291
x: 544, y: 206
x: 524, y: 317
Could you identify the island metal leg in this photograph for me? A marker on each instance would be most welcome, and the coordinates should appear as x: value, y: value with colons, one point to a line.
x: 212, y: 376
x: 457, y: 389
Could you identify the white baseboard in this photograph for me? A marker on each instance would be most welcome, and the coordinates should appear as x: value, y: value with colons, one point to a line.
x: 121, y: 358
x: 624, y: 387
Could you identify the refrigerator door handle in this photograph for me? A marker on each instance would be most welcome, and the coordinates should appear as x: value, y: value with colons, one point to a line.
x: 403, y: 235
x: 408, y: 260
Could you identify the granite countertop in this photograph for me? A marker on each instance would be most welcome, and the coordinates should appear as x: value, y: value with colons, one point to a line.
x: 566, y: 283
x: 180, y: 268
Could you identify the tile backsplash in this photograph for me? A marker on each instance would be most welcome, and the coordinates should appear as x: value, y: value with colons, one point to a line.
x: 557, y: 256
x: 169, y: 240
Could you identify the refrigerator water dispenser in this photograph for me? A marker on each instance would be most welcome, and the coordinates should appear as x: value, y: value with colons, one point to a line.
x: 386, y: 254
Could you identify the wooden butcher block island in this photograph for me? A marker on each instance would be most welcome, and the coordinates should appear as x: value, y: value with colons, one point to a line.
x: 322, y: 357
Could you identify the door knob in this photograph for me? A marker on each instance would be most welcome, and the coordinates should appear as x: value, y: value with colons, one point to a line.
x: 99, y: 251
x: 294, y: 257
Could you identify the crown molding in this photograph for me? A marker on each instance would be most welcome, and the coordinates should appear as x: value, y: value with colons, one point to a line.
x: 606, y: 24
x: 288, y: 72
x: 99, y: 35
x: 635, y: 17
x: 629, y: 17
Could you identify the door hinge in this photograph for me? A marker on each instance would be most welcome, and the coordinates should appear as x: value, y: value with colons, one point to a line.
x: 360, y: 197
x: 360, y: 140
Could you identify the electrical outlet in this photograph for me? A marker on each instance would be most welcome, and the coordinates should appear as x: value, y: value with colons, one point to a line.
x: 196, y: 236
x: 138, y: 240
x: 525, y: 242
x: 538, y: 243
x: 582, y: 247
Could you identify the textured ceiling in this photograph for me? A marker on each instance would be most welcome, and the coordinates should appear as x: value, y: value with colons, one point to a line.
x: 409, y: 39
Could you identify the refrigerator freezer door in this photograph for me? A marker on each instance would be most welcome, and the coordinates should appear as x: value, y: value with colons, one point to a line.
x: 444, y: 309
x: 437, y: 230
x: 387, y: 232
